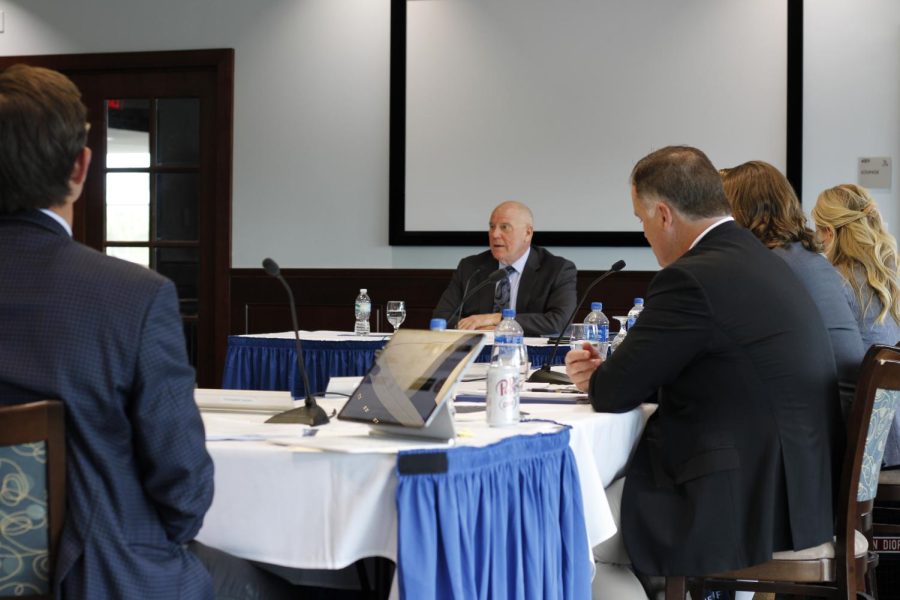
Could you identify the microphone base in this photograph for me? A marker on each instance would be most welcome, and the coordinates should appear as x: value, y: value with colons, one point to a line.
x: 547, y: 376
x: 304, y: 415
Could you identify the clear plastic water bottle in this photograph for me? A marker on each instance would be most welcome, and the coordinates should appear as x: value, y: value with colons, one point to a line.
x: 363, y: 310
x: 504, y: 378
x: 509, y: 333
x: 438, y: 325
x: 596, y: 317
x: 508, y: 330
x: 635, y: 312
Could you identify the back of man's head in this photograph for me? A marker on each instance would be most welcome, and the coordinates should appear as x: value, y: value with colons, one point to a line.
x: 684, y: 177
x: 43, y: 127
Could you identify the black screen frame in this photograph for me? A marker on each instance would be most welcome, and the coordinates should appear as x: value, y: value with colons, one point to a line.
x: 399, y: 235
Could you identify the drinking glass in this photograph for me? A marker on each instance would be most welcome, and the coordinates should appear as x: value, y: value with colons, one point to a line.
x: 584, y: 332
x: 396, y: 313
x: 620, y: 335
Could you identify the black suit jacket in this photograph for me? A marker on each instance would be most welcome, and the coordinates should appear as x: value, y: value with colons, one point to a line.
x: 546, y: 291
x: 738, y: 460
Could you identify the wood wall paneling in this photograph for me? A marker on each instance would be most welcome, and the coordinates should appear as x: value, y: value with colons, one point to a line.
x: 324, y: 297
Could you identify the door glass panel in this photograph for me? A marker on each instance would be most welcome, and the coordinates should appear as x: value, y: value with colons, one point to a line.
x: 176, y: 206
x: 127, y: 207
x: 140, y: 256
x: 181, y: 266
x: 178, y: 131
x: 128, y: 134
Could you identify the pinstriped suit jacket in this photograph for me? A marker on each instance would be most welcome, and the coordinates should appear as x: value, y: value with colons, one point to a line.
x: 105, y: 337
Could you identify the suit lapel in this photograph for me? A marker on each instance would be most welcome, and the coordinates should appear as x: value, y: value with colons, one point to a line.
x: 527, y: 279
x: 484, y: 299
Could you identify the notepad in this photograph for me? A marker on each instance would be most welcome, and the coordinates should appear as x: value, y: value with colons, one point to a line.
x: 258, y: 401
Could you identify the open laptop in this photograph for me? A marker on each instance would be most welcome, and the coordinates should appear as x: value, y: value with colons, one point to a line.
x: 407, y: 390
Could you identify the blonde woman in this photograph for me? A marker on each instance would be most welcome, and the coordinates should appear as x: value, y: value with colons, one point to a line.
x: 858, y: 245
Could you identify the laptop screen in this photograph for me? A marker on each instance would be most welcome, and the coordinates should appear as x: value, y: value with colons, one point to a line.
x: 414, y: 374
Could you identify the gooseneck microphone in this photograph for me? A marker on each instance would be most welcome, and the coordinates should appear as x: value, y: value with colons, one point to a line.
x: 455, y: 315
x: 310, y: 413
x: 493, y: 278
x: 544, y: 374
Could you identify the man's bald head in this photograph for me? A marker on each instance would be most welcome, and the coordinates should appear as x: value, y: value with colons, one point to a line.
x: 510, y: 230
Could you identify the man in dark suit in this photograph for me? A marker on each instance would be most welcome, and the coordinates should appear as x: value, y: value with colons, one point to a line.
x: 738, y: 459
x: 105, y: 337
x: 540, y: 285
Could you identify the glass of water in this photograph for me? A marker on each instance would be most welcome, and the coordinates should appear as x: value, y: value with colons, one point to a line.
x: 584, y: 332
x: 396, y: 313
x: 620, y: 335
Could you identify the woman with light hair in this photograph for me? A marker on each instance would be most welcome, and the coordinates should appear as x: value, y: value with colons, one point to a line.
x: 858, y: 245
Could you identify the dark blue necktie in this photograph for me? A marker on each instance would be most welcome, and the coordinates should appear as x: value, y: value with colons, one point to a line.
x: 501, y: 291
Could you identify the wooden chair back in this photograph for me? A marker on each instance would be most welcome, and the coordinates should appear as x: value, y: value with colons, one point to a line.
x: 33, y: 472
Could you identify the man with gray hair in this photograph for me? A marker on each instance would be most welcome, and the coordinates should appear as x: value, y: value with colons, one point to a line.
x: 737, y: 462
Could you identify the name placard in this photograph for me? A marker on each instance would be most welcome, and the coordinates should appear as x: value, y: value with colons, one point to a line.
x: 875, y: 172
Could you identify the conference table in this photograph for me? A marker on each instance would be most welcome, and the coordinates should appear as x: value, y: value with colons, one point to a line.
x: 268, y: 361
x: 288, y: 497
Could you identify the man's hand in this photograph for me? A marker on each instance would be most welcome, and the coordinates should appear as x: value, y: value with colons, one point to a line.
x: 581, y: 364
x: 485, y: 321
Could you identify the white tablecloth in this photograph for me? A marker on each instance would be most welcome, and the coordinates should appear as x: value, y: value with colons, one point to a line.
x: 346, y: 336
x: 305, y: 508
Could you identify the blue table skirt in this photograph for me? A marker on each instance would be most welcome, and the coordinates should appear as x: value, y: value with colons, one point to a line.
x: 504, y: 521
x: 271, y: 363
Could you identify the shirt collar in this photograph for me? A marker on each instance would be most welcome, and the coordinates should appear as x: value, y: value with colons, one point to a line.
x: 519, y: 265
x: 710, y: 228
x: 58, y: 219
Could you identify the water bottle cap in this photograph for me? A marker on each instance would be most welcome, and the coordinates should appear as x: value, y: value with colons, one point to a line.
x: 638, y: 301
x: 362, y: 290
x: 438, y: 324
x: 598, y: 306
x: 509, y: 313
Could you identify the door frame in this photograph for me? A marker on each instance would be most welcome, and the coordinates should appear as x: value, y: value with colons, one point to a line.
x: 213, y: 327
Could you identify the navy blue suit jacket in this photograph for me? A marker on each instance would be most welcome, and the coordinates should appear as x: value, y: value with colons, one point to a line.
x: 105, y: 337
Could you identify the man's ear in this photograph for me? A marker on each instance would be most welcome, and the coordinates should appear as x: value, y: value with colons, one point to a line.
x: 666, y: 214
x: 80, y: 170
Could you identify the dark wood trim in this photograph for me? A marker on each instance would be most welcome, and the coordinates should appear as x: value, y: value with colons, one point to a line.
x: 221, y: 281
x: 324, y: 297
x: 400, y: 236
x: 794, y: 149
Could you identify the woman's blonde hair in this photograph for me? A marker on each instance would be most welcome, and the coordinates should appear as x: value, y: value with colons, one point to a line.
x: 860, y: 243
x: 763, y: 201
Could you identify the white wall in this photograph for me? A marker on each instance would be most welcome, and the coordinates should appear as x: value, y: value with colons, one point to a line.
x: 311, y: 111
x: 851, y: 94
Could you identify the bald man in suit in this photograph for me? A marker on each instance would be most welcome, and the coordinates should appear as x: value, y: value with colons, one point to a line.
x: 541, y: 285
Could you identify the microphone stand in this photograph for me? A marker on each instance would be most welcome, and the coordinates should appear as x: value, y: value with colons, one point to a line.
x: 310, y: 413
x: 544, y: 374
x: 493, y: 278
x: 456, y: 314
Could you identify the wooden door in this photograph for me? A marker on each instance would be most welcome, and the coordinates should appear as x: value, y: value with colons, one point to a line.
x: 159, y: 189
